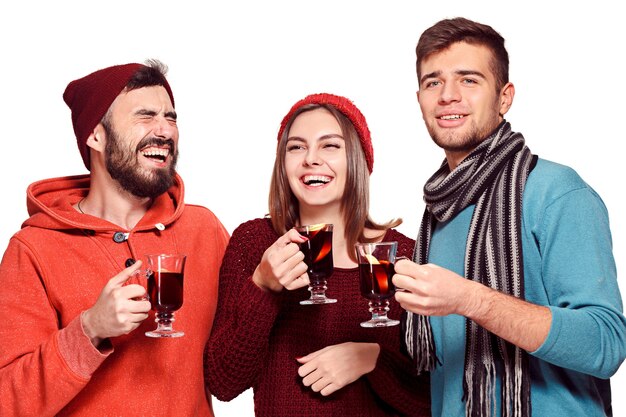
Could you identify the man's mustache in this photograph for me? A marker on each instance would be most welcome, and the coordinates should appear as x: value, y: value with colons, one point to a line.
x: 156, y: 142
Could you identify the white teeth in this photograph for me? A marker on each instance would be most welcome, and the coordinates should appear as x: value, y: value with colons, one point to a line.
x: 316, y: 180
x: 156, y: 152
x: 451, y: 117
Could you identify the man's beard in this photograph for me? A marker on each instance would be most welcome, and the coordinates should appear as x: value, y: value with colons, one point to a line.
x: 467, y: 144
x: 452, y: 142
x: 124, y: 167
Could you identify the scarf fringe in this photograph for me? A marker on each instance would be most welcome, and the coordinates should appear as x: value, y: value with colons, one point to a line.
x: 492, y: 177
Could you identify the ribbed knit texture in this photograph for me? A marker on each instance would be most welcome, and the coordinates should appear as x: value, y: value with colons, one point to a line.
x: 257, y: 336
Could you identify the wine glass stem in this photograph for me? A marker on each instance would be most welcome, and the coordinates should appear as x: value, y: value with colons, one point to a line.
x: 164, y: 321
x: 318, y: 290
x: 379, y: 309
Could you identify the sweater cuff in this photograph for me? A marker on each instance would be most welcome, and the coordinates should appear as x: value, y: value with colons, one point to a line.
x: 76, y: 349
x: 262, y: 301
x: 543, y: 352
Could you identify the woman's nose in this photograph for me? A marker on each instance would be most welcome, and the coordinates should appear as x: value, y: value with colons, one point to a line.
x: 312, y: 158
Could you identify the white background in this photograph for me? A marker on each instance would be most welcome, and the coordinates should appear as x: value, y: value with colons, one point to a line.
x: 237, y: 66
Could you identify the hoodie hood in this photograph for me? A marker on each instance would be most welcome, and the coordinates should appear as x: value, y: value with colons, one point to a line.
x: 50, y: 206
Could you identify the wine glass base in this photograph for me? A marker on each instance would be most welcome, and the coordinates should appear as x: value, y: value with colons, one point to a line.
x: 380, y: 323
x: 312, y: 301
x: 165, y: 333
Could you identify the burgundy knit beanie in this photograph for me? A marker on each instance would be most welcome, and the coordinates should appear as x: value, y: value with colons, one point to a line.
x: 90, y: 97
x: 348, y: 109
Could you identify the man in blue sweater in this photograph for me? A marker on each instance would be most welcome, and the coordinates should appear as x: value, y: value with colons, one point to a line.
x: 512, y: 298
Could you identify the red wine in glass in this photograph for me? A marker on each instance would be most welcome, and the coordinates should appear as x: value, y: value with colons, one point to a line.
x: 376, y: 281
x: 318, y: 256
x: 376, y: 269
x: 165, y: 289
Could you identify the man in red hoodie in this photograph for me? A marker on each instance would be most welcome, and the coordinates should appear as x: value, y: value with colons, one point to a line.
x: 72, y: 339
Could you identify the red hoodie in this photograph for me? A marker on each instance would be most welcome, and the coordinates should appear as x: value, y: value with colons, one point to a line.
x: 55, y: 267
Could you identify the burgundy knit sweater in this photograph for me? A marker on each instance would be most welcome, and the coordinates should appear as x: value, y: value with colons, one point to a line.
x: 257, y: 336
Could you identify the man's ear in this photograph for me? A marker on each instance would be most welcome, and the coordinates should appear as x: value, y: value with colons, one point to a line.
x: 506, y: 98
x: 97, y: 139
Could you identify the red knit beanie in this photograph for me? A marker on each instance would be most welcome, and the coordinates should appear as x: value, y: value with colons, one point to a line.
x: 90, y: 97
x: 348, y: 109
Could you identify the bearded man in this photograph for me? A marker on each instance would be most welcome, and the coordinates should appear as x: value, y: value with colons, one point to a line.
x: 73, y: 339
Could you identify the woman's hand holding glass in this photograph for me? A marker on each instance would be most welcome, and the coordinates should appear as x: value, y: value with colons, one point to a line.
x: 282, y: 265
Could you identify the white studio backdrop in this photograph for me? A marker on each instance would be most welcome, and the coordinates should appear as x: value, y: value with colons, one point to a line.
x: 236, y: 68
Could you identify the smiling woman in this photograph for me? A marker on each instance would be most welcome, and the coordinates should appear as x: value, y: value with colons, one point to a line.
x: 321, y: 176
x: 316, y: 162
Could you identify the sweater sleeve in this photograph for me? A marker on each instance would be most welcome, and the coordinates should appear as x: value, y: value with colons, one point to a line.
x: 581, y: 282
x: 42, y: 366
x: 395, y: 379
x: 245, y: 315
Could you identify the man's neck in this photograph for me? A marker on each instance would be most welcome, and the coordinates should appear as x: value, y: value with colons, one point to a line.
x: 455, y: 158
x: 108, y: 201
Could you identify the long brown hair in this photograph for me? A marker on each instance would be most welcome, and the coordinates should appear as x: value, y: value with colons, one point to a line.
x: 284, y: 207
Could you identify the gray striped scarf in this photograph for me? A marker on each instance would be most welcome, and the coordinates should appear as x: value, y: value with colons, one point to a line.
x: 492, y: 177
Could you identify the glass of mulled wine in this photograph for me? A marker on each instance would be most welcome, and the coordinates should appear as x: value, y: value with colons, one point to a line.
x: 165, y: 289
x: 376, y: 268
x: 318, y: 256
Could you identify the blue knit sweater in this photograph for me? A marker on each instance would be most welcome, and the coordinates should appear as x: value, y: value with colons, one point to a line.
x: 569, y: 266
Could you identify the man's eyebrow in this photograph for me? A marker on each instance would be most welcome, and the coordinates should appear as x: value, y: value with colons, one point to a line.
x: 436, y: 74
x: 433, y: 74
x: 147, y: 112
x: 471, y: 72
